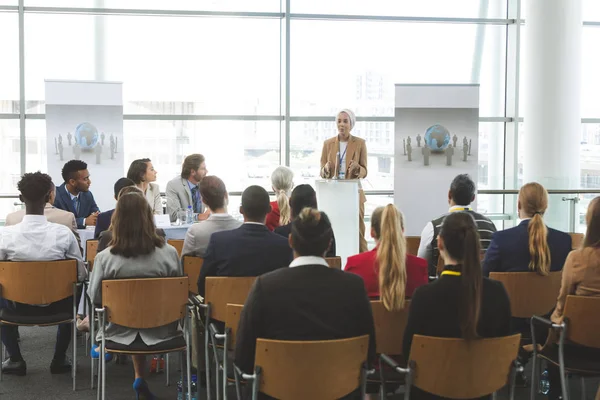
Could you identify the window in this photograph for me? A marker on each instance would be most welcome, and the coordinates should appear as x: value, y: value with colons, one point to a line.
x: 590, y: 63
x: 205, y: 5
x: 9, y: 67
x: 10, y: 156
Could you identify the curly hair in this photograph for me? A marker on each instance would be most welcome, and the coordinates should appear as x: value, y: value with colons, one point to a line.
x: 70, y: 169
x: 35, y: 186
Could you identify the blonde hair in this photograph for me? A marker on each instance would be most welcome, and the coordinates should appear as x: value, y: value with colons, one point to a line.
x: 391, y: 256
x: 282, y: 180
x: 533, y: 199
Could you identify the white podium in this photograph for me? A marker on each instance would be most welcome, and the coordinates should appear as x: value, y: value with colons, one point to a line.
x: 339, y: 200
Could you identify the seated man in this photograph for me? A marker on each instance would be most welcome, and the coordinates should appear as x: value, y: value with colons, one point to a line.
x: 36, y: 239
x: 460, y: 196
x: 52, y: 213
x: 183, y: 190
x: 214, y: 196
x: 103, y: 221
x: 74, y: 194
x: 308, y: 300
x: 251, y: 249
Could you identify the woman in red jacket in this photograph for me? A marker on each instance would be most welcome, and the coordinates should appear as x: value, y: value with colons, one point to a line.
x: 388, y: 272
x: 282, y: 181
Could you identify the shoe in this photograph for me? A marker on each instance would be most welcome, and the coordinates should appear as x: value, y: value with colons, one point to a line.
x: 83, y: 325
x: 60, y: 366
x: 141, y: 390
x: 521, y: 380
x: 95, y: 353
x: 14, y: 367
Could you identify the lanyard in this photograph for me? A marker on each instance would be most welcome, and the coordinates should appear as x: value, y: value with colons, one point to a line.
x: 454, y: 209
x: 452, y: 273
x: 342, y: 156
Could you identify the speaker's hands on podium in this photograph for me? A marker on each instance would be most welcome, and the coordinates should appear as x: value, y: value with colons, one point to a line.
x: 327, y: 169
x: 354, y: 169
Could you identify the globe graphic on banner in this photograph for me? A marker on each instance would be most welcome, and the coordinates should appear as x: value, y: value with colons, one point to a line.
x: 437, y: 137
x: 86, y: 135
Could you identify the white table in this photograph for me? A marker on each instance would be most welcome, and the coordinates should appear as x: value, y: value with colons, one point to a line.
x: 85, y: 235
x: 176, y: 231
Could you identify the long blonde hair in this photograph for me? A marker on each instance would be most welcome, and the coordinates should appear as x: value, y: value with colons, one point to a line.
x: 533, y: 199
x: 282, y: 180
x: 387, y: 222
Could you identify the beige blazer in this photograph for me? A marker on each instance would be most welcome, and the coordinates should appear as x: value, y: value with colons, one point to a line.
x: 356, y: 151
x: 154, y: 199
x: 52, y: 214
x: 580, y: 277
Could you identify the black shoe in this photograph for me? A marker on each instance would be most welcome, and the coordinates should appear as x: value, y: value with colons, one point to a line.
x: 521, y: 380
x: 14, y: 367
x: 60, y: 366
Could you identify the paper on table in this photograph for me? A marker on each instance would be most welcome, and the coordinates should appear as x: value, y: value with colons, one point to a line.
x: 162, y: 221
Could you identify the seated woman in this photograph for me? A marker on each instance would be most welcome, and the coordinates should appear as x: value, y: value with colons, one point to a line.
x: 461, y: 303
x: 135, y: 251
x: 142, y: 172
x: 530, y: 246
x: 303, y: 196
x: 282, y: 181
x: 400, y: 273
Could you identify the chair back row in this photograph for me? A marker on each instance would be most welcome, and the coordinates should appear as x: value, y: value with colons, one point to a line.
x: 220, y: 291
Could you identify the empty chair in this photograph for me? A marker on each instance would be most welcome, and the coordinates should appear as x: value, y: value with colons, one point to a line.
x: 91, y: 249
x: 192, y: 267
x: 334, y: 262
x: 178, y: 244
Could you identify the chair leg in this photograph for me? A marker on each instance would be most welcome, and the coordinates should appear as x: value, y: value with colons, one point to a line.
x: 99, y: 388
x: 188, y: 358
x: 582, y: 388
x: 534, y: 374
x: 74, y: 341
x: 513, y: 377
x: 1, y: 357
x: 92, y: 338
x: 207, y: 363
x: 167, y: 368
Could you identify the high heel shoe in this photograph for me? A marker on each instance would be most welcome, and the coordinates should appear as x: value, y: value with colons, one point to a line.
x: 141, y: 388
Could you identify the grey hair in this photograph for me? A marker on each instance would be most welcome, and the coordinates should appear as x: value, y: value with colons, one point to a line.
x: 282, y: 179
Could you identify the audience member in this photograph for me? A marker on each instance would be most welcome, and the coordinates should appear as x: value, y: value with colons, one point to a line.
x: 461, y: 304
x: 142, y: 172
x: 183, y: 191
x: 103, y: 221
x: 36, y: 239
x: 531, y: 245
x: 251, y: 249
x: 74, y: 194
x: 215, y: 197
x: 461, y: 195
x: 303, y: 196
x: 135, y: 251
x: 52, y: 214
x: 400, y: 273
x: 282, y: 181
x: 308, y: 300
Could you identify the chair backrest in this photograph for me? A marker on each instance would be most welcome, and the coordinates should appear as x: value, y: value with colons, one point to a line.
x: 37, y: 282
x: 583, y: 322
x: 529, y: 292
x: 91, y: 249
x: 389, y: 327
x: 461, y: 369
x: 192, y: 267
x: 178, y: 244
x: 232, y: 320
x: 334, y: 262
x: 220, y: 291
x: 145, y: 303
x: 412, y: 245
x: 576, y: 240
x: 316, y: 370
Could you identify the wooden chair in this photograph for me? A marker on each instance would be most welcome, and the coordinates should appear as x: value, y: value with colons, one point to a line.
x: 576, y: 240
x: 581, y: 327
x: 39, y: 282
x: 412, y: 245
x: 316, y: 370
x: 484, y: 366
x: 178, y: 244
x: 232, y: 321
x: 192, y: 267
x: 529, y: 292
x: 91, y: 249
x: 144, y: 304
x: 334, y: 262
x: 219, y: 292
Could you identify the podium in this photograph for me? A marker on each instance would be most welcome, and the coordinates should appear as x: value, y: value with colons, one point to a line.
x: 338, y: 198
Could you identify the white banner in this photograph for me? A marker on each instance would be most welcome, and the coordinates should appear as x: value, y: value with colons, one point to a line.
x: 84, y: 121
x: 436, y: 138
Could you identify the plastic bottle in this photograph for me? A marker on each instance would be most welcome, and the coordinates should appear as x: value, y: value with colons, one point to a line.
x: 189, y: 215
x: 180, y: 390
x: 194, y: 387
x: 544, y: 383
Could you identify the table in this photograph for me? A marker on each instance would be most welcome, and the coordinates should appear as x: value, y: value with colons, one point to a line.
x: 85, y: 235
x: 176, y: 231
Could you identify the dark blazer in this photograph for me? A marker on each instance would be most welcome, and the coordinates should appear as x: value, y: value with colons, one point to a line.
x: 286, y: 230
x: 306, y: 302
x: 103, y: 222
x: 509, y: 250
x: 250, y: 250
x: 87, y: 204
x: 434, y: 312
x: 106, y: 236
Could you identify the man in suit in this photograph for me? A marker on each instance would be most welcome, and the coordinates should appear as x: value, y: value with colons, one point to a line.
x: 251, y: 249
x: 103, y: 221
x: 214, y: 196
x: 308, y: 300
x: 52, y: 214
x: 184, y: 190
x: 74, y: 194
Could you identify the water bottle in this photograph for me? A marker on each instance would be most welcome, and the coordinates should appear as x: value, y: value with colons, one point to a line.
x: 180, y: 390
x: 544, y: 383
x: 194, y: 387
x: 189, y: 215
